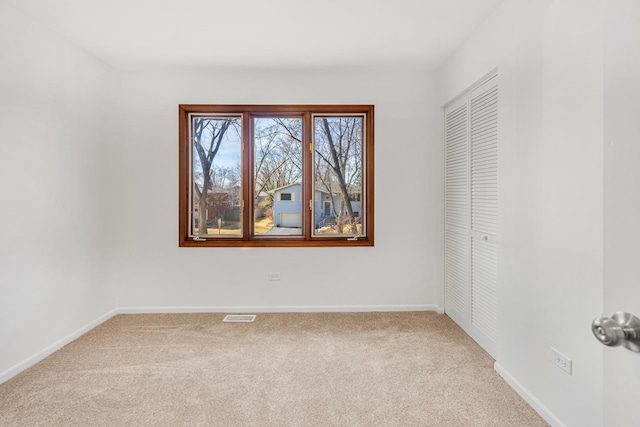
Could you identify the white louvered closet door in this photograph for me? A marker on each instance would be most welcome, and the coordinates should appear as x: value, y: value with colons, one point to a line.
x: 457, y: 269
x: 471, y: 212
x: 484, y: 214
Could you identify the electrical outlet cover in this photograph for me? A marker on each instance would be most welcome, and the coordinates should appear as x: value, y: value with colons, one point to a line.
x: 561, y: 361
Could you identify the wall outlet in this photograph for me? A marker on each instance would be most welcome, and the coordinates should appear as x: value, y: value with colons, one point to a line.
x: 273, y: 277
x: 561, y: 361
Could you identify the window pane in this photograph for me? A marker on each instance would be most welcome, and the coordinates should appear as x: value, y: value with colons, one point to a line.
x: 216, y: 200
x: 278, y: 176
x: 338, y: 184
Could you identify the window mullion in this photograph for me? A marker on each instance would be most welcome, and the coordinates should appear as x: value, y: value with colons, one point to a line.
x: 307, y: 176
x: 247, y: 176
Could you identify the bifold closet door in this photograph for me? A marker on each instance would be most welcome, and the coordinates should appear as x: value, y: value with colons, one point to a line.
x: 471, y: 213
x: 484, y: 214
x: 457, y: 296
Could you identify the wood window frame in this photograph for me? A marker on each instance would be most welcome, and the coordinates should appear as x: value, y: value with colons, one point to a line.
x: 248, y: 112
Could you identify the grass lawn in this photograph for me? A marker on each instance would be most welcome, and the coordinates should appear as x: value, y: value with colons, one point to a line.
x: 334, y: 229
x: 232, y: 231
x: 230, y: 228
x: 262, y: 226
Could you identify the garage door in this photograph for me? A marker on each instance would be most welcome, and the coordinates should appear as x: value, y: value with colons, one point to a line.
x: 292, y: 220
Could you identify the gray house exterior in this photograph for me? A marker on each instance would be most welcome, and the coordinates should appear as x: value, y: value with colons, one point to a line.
x: 288, y: 205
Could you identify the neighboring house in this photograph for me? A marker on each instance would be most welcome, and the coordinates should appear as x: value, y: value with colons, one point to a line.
x: 222, y: 204
x: 287, y: 205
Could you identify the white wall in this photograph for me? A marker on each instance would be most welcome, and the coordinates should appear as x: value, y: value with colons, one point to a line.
x: 55, y: 104
x: 404, y: 269
x: 549, y: 58
x: 621, y: 203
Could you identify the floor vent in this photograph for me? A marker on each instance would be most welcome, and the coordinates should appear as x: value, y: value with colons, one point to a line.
x: 239, y: 318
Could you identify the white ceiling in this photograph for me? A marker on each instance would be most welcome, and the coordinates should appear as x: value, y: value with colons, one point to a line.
x: 266, y: 34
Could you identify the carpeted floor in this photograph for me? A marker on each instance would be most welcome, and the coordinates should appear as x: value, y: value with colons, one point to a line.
x: 311, y: 369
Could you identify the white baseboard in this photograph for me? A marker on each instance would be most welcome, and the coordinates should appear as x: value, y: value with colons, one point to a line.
x: 32, y: 360
x: 529, y: 397
x: 280, y: 309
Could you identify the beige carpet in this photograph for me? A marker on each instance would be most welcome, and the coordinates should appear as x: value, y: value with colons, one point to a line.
x: 312, y: 369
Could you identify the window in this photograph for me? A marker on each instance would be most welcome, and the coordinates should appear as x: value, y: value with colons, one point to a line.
x: 262, y: 175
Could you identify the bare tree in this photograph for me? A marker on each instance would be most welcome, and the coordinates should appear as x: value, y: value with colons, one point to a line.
x: 208, y: 136
x: 278, y: 154
x: 222, y: 177
x: 339, y: 149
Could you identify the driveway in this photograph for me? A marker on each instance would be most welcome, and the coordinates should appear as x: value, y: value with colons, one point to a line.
x: 284, y: 231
